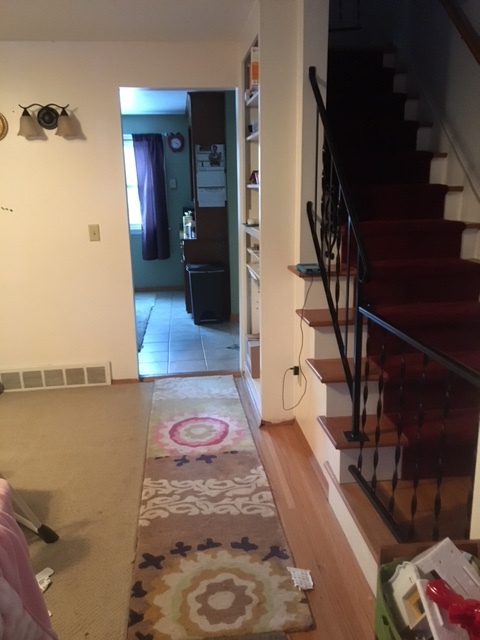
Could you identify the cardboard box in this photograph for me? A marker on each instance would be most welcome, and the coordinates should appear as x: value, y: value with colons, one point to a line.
x: 254, y: 68
x: 252, y: 356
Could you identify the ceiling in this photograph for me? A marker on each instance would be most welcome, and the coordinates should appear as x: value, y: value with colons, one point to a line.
x: 123, y: 20
x: 127, y: 20
x: 135, y: 101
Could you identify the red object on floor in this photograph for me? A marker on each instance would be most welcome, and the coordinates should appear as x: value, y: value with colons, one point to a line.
x: 462, y: 611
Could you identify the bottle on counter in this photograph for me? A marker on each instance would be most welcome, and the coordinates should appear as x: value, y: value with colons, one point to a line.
x: 187, y: 220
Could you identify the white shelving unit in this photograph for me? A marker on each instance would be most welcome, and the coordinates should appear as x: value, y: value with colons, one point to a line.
x: 271, y: 147
x: 251, y: 217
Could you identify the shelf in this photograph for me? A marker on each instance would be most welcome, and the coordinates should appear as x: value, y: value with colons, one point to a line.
x: 251, y: 213
x: 253, y: 100
x: 252, y: 230
x: 254, y: 271
x: 254, y: 391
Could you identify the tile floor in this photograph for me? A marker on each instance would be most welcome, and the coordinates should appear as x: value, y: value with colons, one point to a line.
x: 174, y: 344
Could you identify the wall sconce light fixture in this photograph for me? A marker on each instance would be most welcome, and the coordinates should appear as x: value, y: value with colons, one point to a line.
x: 48, y: 118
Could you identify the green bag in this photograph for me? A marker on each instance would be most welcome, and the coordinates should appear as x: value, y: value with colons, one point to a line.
x: 385, y: 628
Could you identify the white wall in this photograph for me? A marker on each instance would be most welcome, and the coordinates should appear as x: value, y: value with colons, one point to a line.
x: 471, y: 10
x: 308, y: 392
x: 449, y: 80
x: 66, y: 300
x: 278, y: 160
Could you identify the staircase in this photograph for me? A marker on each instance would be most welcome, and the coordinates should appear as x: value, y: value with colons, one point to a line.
x: 420, y: 283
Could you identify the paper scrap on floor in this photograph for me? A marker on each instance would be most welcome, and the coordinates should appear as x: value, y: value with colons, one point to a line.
x: 301, y: 578
x: 43, y: 578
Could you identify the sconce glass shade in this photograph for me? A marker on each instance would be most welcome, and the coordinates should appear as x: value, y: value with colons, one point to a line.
x: 66, y: 126
x: 28, y: 127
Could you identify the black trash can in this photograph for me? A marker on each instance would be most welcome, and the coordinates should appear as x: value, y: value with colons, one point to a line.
x: 207, y: 291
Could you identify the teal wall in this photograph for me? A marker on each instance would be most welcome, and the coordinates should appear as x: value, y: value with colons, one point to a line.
x: 232, y: 199
x: 162, y: 274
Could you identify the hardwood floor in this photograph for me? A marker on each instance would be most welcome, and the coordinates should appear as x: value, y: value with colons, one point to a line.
x: 342, y: 603
x: 341, y: 600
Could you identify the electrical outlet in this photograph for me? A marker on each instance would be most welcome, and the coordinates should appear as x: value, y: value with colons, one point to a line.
x: 296, y: 371
x: 94, y: 232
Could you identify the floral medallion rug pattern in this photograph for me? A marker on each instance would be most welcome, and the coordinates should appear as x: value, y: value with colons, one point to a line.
x: 211, y: 558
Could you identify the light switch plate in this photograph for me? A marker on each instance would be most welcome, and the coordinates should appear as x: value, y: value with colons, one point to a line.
x: 94, y: 232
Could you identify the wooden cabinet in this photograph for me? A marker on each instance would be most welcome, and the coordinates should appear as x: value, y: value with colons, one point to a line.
x: 206, y: 115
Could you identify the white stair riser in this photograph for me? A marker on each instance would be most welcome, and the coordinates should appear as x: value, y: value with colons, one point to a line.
x: 314, y: 297
x: 326, y: 342
x: 341, y: 459
x: 424, y: 138
x: 453, y: 205
x: 471, y: 244
x: 338, y: 402
x: 438, y: 170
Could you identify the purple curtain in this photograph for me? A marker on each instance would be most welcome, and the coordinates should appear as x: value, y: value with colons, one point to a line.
x: 150, y: 162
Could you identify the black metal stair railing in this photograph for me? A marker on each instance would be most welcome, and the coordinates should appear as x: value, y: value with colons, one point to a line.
x: 334, y: 223
x: 337, y: 210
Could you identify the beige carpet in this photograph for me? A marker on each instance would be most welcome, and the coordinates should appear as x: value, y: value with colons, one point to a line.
x: 76, y: 457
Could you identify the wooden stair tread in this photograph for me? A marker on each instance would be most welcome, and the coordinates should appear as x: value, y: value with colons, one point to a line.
x: 343, y: 272
x: 303, y: 275
x: 376, y: 534
x: 330, y: 370
x: 334, y: 427
x: 322, y: 318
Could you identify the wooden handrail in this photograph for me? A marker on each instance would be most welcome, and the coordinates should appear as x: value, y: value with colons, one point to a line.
x: 465, y: 29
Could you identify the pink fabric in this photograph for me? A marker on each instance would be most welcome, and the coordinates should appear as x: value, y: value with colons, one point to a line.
x: 23, y: 614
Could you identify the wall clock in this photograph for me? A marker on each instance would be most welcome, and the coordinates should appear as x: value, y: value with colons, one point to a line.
x: 175, y: 141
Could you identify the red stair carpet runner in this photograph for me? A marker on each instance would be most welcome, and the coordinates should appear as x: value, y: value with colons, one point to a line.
x: 419, y: 282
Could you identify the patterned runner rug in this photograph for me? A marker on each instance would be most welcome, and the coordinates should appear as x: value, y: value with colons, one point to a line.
x: 211, y: 558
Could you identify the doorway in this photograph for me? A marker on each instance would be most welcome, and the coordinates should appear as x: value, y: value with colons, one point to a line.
x: 168, y: 341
